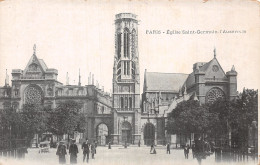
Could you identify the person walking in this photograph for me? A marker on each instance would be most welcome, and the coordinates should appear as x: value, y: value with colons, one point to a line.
x: 152, y: 151
x: 168, y: 148
x: 193, y: 149
x: 109, y: 145
x: 85, y: 148
x: 139, y: 143
x: 186, y: 151
x: 73, y: 151
x: 61, y: 152
x: 93, y: 148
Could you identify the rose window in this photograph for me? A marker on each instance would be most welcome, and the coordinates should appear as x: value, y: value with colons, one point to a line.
x: 33, y: 95
x: 214, y: 94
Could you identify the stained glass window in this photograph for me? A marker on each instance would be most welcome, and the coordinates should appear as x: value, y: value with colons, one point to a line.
x: 214, y: 94
x: 33, y: 95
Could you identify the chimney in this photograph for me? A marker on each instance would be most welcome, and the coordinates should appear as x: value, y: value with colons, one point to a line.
x: 93, y: 79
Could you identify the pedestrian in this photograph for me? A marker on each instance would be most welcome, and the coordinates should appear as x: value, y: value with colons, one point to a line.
x: 93, y: 148
x: 61, y: 152
x: 139, y: 143
x: 85, y: 148
x: 109, y: 145
x: 73, y: 151
x: 186, y: 151
x: 168, y: 148
x: 152, y: 151
x: 193, y: 150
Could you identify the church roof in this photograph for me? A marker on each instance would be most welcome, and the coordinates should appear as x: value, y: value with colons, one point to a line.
x: 44, y: 66
x: 205, y: 66
x: 190, y: 80
x: 172, y: 82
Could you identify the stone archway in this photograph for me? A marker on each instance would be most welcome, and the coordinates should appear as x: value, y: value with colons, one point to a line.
x: 126, y: 132
x: 149, y: 134
x: 102, y: 134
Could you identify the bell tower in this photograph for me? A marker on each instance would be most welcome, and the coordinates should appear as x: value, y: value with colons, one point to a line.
x: 126, y: 80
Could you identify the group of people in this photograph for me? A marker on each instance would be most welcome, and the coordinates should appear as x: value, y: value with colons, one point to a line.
x: 73, y: 151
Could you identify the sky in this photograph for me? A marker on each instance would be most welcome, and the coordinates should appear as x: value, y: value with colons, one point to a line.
x: 72, y: 35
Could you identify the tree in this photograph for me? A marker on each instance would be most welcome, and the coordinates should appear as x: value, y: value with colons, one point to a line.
x: 237, y: 115
x: 67, y: 118
x: 33, y: 119
x: 190, y: 117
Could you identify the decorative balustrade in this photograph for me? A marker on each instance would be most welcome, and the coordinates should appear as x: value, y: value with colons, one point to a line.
x: 216, y: 79
x: 126, y: 81
x: 17, y: 71
x: 31, y: 77
x: 125, y: 109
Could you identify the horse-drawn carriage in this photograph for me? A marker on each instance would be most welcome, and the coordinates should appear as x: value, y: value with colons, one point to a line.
x: 44, y: 147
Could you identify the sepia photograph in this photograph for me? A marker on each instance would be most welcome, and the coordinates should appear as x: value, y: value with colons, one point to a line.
x: 129, y: 82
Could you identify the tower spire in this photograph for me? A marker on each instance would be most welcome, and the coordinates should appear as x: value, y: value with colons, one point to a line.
x: 79, y: 78
x: 34, y: 49
x: 67, y: 79
x: 6, y: 78
x: 214, y: 52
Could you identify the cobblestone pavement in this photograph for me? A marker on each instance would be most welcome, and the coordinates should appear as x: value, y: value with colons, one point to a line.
x: 120, y: 156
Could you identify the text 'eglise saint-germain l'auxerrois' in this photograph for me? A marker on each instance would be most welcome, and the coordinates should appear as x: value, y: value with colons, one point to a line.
x: 176, y: 32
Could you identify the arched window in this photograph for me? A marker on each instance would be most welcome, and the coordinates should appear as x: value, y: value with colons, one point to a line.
x: 122, y: 102
x: 33, y: 95
x: 119, y: 45
x: 133, y: 42
x: 130, y: 102
x: 126, y: 102
x: 126, y: 43
x: 214, y: 94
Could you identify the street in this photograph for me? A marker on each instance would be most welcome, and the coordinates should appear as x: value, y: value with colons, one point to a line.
x: 122, y: 156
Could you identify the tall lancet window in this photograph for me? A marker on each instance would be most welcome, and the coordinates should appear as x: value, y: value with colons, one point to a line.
x: 119, y: 45
x: 133, y: 42
x: 122, y: 102
x: 126, y: 43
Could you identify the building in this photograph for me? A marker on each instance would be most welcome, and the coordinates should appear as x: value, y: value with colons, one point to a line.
x: 38, y: 84
x: 126, y: 81
x: 124, y: 117
x: 163, y: 91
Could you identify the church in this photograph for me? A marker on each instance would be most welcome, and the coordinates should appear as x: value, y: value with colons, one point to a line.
x: 125, y: 115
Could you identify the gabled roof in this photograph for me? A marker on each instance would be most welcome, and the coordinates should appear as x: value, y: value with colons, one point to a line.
x: 171, y: 82
x: 42, y: 63
x: 205, y: 66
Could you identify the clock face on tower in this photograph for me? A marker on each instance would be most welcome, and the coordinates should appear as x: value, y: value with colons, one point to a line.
x: 215, y: 68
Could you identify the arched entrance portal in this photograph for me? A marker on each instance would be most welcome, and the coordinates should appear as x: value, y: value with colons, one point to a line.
x: 126, y: 132
x: 149, y: 134
x: 102, y: 132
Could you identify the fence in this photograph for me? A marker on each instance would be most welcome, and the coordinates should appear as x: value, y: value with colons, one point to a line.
x: 15, y: 148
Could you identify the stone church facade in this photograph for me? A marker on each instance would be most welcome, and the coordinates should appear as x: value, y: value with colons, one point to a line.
x: 38, y: 84
x: 124, y: 115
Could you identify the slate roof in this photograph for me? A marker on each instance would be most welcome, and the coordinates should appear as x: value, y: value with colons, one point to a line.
x: 44, y: 66
x: 164, y: 81
x: 190, y: 80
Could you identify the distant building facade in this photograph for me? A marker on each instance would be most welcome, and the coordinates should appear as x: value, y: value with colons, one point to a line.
x: 124, y: 116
